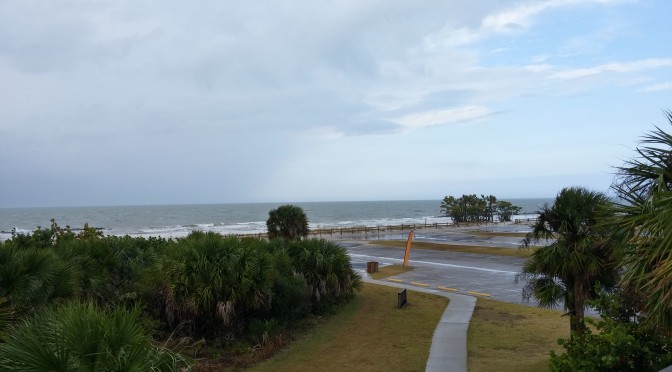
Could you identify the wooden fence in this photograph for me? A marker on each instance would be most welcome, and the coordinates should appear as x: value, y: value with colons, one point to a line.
x: 330, y: 231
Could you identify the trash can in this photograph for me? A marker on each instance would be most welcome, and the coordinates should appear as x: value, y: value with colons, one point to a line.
x: 371, y: 267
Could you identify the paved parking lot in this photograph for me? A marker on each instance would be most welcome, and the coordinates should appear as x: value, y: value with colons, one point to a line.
x: 464, y: 272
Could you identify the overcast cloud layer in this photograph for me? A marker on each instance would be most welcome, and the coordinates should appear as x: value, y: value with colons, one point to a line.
x: 163, y: 102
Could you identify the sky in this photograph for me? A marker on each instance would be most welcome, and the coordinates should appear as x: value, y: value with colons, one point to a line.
x: 138, y: 102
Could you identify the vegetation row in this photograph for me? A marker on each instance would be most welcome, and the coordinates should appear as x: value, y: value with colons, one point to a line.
x: 91, y: 302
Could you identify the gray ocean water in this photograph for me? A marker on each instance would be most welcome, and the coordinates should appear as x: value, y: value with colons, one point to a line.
x: 179, y: 220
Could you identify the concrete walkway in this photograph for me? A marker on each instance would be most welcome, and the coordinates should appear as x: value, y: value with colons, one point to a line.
x: 449, y: 344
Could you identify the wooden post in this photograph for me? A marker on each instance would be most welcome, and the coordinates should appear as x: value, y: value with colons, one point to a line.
x: 408, y: 248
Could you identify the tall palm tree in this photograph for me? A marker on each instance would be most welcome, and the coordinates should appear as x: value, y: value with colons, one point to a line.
x: 644, y: 186
x: 582, y: 254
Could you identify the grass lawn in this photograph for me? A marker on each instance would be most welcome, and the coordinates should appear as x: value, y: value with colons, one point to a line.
x: 391, y: 270
x: 493, y: 251
x: 511, y: 337
x: 369, y: 334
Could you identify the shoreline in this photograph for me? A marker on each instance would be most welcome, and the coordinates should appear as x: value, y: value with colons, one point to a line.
x: 359, y: 233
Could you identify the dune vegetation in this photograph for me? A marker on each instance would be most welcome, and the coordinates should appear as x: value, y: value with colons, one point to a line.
x: 202, y: 296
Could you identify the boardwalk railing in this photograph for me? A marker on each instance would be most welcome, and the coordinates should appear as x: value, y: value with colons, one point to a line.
x: 330, y: 231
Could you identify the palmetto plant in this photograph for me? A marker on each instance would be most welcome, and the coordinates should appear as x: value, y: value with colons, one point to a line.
x: 5, y: 316
x: 209, y: 281
x: 81, y: 337
x: 584, y: 253
x: 30, y: 278
x: 326, y: 268
x: 644, y: 185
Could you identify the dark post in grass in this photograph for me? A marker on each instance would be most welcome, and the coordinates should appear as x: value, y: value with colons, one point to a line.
x: 401, y: 299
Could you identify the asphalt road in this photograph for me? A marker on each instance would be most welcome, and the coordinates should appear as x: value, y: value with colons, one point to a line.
x: 464, y: 272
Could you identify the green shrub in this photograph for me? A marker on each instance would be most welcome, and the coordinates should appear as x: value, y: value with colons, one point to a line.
x: 84, y: 338
x: 30, y: 278
x: 623, y: 341
x: 262, y: 332
x: 207, y: 282
x: 326, y: 268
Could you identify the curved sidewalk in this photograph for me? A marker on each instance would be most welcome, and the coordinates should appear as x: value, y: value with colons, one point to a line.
x: 449, y: 344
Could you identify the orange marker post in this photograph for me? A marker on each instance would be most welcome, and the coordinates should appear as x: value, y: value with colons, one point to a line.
x: 408, y: 247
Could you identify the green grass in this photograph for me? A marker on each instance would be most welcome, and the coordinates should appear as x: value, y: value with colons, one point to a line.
x: 391, y: 270
x: 370, y: 334
x: 493, y: 251
x: 512, y: 337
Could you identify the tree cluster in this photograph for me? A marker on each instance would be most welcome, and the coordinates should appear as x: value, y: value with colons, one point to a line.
x: 471, y: 208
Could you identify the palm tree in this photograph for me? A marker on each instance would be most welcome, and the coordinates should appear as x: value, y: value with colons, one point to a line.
x: 582, y: 255
x: 644, y: 186
x: 288, y: 222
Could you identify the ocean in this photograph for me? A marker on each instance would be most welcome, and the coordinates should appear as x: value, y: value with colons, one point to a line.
x: 179, y: 220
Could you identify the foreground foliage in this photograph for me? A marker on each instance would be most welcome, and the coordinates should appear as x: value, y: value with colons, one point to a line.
x: 83, y: 337
x: 226, y: 291
x: 584, y: 254
x: 623, y: 341
x: 644, y: 185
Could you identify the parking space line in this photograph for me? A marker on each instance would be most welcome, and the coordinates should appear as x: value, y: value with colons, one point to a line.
x: 479, y: 294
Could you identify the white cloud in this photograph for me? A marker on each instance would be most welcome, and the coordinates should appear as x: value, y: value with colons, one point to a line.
x: 444, y: 116
x: 522, y: 16
x: 619, y: 67
x: 658, y: 87
x: 512, y: 20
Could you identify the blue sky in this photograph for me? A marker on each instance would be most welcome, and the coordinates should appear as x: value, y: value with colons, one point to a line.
x: 165, y: 102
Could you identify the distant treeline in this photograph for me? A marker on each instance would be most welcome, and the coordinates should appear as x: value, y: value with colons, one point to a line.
x: 471, y: 208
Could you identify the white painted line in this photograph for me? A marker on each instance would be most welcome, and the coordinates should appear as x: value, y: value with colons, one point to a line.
x: 438, y: 264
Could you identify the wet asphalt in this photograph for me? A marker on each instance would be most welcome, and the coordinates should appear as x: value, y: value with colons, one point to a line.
x: 463, y: 273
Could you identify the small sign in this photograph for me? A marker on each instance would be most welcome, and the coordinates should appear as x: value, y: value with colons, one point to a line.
x: 401, y: 299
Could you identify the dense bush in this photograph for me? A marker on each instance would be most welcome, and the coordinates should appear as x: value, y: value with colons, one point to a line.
x: 31, y: 277
x: 223, y: 289
x: 81, y: 337
x: 291, y: 297
x: 623, y: 342
x: 326, y: 268
x: 206, y: 282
